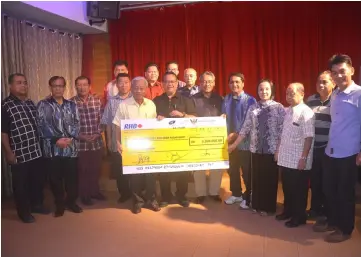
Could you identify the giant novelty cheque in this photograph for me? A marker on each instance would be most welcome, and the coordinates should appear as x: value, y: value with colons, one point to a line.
x: 171, y: 145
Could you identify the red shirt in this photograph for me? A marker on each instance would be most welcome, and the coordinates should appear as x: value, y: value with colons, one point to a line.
x: 154, y: 91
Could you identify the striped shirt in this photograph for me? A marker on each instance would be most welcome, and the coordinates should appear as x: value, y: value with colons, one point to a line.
x: 322, y: 119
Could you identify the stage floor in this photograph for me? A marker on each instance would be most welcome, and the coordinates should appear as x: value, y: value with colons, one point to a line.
x: 109, y: 229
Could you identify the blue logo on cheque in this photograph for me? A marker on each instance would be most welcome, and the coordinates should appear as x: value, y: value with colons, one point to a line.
x: 132, y: 126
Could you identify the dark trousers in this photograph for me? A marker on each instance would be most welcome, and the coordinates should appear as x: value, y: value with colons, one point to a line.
x: 63, y: 173
x: 137, y: 182
x: 28, y: 181
x: 316, y: 174
x: 89, y: 165
x: 339, y: 186
x: 181, y: 179
x: 295, y: 187
x: 123, y: 182
x: 237, y: 160
x: 264, y: 182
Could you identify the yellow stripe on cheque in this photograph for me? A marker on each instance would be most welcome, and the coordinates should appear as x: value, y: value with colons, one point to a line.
x: 172, y: 145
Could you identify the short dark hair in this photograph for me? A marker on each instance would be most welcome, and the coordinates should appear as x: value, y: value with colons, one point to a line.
x: 81, y: 78
x: 120, y: 63
x: 273, y: 88
x: 236, y: 74
x: 169, y: 73
x: 170, y: 62
x: 52, y: 79
x: 123, y: 75
x: 12, y: 77
x: 339, y: 58
x: 150, y: 64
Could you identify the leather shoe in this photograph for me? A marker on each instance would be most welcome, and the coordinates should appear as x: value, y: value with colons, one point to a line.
x: 294, y: 223
x: 200, y: 199
x: 27, y: 218
x: 59, y: 212
x: 153, y: 205
x: 40, y: 209
x: 137, y: 208
x: 75, y: 208
x: 283, y: 216
x: 87, y: 201
x: 337, y: 237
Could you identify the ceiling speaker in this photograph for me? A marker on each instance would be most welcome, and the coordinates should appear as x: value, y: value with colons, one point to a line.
x: 103, y: 10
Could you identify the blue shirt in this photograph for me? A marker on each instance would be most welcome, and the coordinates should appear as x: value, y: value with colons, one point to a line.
x: 58, y: 121
x: 108, y: 117
x: 345, y: 132
x: 243, y: 102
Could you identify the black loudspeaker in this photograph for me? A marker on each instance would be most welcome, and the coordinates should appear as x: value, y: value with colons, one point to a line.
x: 103, y: 10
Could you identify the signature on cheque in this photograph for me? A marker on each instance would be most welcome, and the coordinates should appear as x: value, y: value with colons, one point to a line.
x: 143, y: 158
x: 175, y: 156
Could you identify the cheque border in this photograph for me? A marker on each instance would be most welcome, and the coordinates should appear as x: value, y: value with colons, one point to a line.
x: 158, y: 168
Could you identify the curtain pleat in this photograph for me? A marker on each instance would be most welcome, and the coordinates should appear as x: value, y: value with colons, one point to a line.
x: 40, y: 54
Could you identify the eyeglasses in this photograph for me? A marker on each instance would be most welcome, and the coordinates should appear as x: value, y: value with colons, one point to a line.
x: 170, y: 82
x: 57, y: 86
x: 208, y: 82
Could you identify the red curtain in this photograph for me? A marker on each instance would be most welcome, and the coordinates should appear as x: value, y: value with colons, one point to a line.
x: 283, y: 41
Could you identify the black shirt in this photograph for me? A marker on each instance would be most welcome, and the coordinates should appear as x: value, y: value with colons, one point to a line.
x: 166, y: 105
x: 207, y: 107
x: 18, y: 120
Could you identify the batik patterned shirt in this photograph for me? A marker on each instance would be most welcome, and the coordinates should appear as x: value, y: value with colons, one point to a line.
x: 264, y: 123
x: 58, y: 121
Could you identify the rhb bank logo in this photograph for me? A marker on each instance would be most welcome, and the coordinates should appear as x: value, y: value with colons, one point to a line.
x: 132, y: 126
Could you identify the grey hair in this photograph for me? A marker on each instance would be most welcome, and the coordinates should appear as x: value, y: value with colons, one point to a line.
x: 299, y: 87
x: 139, y: 78
x: 209, y: 73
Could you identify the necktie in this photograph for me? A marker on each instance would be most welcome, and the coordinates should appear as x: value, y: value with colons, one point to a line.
x: 233, y: 116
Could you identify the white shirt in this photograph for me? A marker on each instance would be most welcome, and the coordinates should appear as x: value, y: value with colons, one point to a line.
x: 299, y: 124
x: 130, y: 109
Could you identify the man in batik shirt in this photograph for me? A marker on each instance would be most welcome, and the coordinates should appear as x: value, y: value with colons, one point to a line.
x: 59, y: 130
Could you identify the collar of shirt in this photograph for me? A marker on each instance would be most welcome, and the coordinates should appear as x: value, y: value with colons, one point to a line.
x: 16, y: 99
x: 318, y: 97
x: 164, y: 96
x: 132, y: 101
x: 265, y: 104
x: 201, y: 95
x: 80, y: 99
x: 185, y: 88
x: 156, y: 84
x: 118, y: 97
x: 238, y: 97
x: 51, y: 99
x: 298, y: 106
x: 349, y: 89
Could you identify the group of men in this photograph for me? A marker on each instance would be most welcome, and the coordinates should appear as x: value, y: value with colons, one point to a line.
x: 61, y: 139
